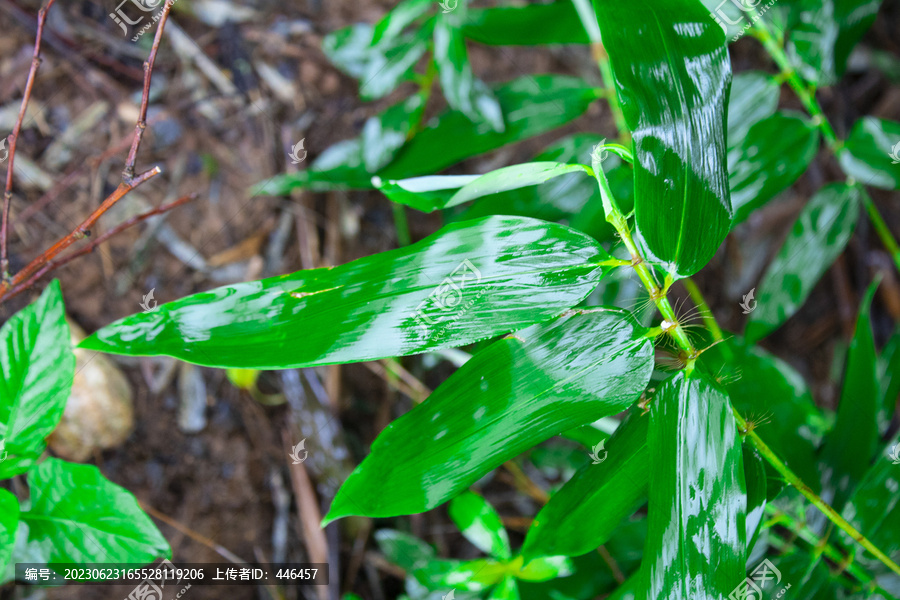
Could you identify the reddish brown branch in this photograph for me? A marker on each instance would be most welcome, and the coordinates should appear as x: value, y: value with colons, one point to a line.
x: 48, y: 260
x: 87, y: 249
x: 14, y: 138
x: 141, y: 125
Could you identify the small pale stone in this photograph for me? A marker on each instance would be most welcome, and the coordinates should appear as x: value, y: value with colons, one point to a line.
x: 100, y: 410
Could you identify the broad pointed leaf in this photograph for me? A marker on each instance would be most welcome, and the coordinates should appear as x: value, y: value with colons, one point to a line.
x: 874, y: 508
x: 427, y: 193
x: 754, y: 97
x: 470, y: 281
x: 872, y: 153
x: 772, y: 156
x: 528, y: 25
x: 505, y: 590
x: 463, y: 91
x: 696, y: 538
x: 9, y: 524
x: 480, y: 524
x: 824, y: 34
x: 584, y: 512
x: 817, y: 238
x: 514, y: 394
x: 673, y: 78
x: 79, y: 516
x: 37, y: 367
x: 768, y: 391
x: 889, y: 376
x: 849, y: 447
x: 404, y: 550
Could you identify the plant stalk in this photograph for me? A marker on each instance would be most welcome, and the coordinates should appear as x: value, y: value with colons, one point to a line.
x: 615, y: 217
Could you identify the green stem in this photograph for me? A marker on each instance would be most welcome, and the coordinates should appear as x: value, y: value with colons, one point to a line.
x: 833, y: 554
x: 804, y: 489
x: 671, y: 326
x: 401, y: 224
x: 807, y: 96
x: 882, y: 229
x: 705, y: 312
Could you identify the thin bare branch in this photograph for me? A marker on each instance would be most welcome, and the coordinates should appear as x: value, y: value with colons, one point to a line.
x: 14, y: 138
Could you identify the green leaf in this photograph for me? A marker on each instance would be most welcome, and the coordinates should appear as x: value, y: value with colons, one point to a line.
x: 872, y: 153
x: 757, y: 488
x: 505, y: 590
x: 530, y: 25
x: 463, y: 91
x: 544, y: 568
x: 427, y: 194
x: 36, y: 372
x: 480, y: 524
x: 351, y: 163
x: 754, y: 97
x: 470, y: 575
x: 531, y: 105
x: 434, y: 192
x: 584, y: 512
x: 874, y: 508
x: 696, y: 539
x: 571, y: 198
x: 889, y: 376
x: 402, y: 549
x: 849, y: 447
x: 824, y: 34
x: 399, y: 18
x: 672, y: 77
x: 817, y: 238
x: 79, y: 516
x: 468, y: 282
x: 511, y: 178
x: 9, y: 524
x: 774, y: 154
x: 768, y: 391
x: 379, y: 57
x: 516, y: 393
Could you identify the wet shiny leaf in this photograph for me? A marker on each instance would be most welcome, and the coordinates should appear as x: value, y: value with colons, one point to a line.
x: 872, y: 153
x: 529, y: 25
x: 754, y: 97
x: 37, y: 367
x: 463, y: 91
x: 874, y: 508
x: 516, y: 393
x: 584, y: 512
x: 470, y: 281
x: 427, y: 193
x: 849, y: 447
x: 773, y: 155
x: 673, y: 77
x: 769, y: 392
x: 79, y: 516
x: 480, y: 524
x: 696, y: 542
x: 824, y: 33
x: 505, y: 590
x: 817, y: 238
x: 531, y: 105
x: 755, y: 477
